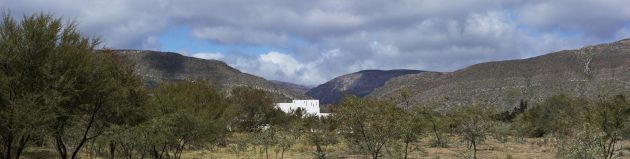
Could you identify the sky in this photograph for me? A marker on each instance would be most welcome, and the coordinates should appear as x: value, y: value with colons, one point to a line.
x: 309, y: 42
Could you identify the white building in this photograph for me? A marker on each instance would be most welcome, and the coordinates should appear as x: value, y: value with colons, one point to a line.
x: 309, y: 106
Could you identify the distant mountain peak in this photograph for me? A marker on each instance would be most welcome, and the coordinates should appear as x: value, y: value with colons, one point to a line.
x: 292, y: 86
x: 360, y: 83
x: 157, y: 67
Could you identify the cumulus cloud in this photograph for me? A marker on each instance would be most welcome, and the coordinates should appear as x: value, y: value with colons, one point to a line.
x: 319, y: 40
x: 282, y: 66
x: 209, y: 55
x: 120, y: 23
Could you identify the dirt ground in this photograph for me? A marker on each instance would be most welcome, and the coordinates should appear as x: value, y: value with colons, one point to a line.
x: 529, y: 148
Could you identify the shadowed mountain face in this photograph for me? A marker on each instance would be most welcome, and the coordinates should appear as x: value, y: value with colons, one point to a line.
x: 156, y: 67
x: 593, y: 71
x: 359, y: 84
x: 291, y: 86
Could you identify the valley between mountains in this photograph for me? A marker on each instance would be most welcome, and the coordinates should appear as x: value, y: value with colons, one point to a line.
x: 590, y: 71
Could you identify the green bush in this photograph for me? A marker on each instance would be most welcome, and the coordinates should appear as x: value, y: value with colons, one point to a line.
x: 556, y: 114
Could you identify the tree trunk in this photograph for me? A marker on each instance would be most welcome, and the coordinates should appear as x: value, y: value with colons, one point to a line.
x: 61, y: 147
x: 266, y: 153
x: 406, y: 146
x: 437, y: 135
x: 180, y: 148
x: 611, y: 148
x: 157, y: 154
x: 23, y: 141
x: 474, y: 144
x: 13, y: 146
x: 85, y: 137
x: 112, y: 150
x: 164, y: 152
x: 320, y: 151
x: 9, y: 144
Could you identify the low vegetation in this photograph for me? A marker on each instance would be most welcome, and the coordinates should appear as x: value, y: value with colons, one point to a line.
x: 61, y: 99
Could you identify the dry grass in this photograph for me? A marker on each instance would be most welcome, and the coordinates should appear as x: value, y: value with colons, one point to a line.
x: 530, y: 148
x: 491, y: 149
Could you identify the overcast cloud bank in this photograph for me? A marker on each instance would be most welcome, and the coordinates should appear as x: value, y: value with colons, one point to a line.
x: 316, y: 41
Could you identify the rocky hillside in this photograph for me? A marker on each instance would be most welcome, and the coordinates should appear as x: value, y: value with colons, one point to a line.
x: 359, y: 83
x: 156, y: 67
x: 588, y: 72
x: 291, y: 86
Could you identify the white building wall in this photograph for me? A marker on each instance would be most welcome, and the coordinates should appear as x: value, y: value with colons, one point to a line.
x: 309, y: 106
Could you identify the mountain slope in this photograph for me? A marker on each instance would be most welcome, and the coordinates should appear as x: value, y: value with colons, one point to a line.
x: 156, y: 67
x: 588, y: 72
x: 291, y: 86
x: 359, y: 83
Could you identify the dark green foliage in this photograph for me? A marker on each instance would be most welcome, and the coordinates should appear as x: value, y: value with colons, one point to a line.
x: 557, y: 114
x: 49, y: 69
x: 185, y: 115
x: 611, y: 116
x: 102, y: 92
x: 253, y: 109
x: 509, y: 116
x: 584, y: 129
x: 367, y: 124
x: 24, y: 103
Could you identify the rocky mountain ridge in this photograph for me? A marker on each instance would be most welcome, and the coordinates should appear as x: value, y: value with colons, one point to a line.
x: 157, y: 67
x: 592, y: 72
x: 359, y: 84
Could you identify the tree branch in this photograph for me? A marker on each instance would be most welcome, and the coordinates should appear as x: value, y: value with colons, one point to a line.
x: 87, y: 129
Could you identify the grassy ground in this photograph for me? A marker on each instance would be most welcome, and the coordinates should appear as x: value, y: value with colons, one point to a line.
x: 529, y: 148
x: 491, y: 149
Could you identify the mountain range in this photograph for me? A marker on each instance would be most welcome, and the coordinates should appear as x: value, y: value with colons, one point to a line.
x: 359, y: 84
x: 166, y: 67
x: 592, y: 72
